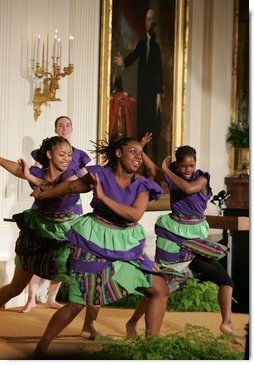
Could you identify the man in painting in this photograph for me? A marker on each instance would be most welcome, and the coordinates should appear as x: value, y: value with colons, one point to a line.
x: 149, y: 83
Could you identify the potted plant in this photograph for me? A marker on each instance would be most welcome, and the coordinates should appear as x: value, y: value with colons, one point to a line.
x: 238, y: 137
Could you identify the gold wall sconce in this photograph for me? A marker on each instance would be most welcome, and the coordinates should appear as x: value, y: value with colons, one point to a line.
x: 50, y: 78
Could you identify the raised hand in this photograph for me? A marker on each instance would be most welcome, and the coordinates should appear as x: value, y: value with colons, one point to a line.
x: 96, y: 186
x: 38, y: 189
x: 166, y: 162
x: 24, y: 169
x: 146, y: 139
x: 36, y: 193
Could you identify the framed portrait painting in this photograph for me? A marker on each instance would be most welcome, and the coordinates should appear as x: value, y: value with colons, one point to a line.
x: 142, y: 82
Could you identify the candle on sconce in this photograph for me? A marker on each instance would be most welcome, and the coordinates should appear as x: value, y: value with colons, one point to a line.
x: 42, y: 60
x: 59, y: 51
x: 60, y: 54
x: 70, y: 49
x: 55, y: 47
x: 34, y: 51
x: 54, y: 51
x: 43, y: 50
x: 38, y: 53
x: 47, y: 52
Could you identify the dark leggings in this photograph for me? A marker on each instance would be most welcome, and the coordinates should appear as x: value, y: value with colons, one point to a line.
x: 210, y: 270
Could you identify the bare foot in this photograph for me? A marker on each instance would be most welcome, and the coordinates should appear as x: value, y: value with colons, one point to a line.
x: 89, y: 332
x: 28, y: 307
x: 53, y: 304
x: 228, y: 330
x: 131, y: 329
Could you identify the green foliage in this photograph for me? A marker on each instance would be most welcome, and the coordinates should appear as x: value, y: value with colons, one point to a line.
x: 194, y: 297
x: 196, y: 344
x: 238, y: 136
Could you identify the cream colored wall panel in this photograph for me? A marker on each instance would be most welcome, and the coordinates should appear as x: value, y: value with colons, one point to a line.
x: 195, y: 73
x: 209, y: 86
x: 221, y: 90
x: 83, y: 100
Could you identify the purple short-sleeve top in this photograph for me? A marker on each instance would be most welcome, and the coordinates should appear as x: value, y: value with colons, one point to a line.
x: 55, y: 205
x: 193, y: 204
x: 122, y: 195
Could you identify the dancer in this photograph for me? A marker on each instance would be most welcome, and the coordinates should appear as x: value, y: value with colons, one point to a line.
x: 107, y: 261
x: 63, y: 128
x: 182, y: 235
x: 89, y: 330
x: 42, y: 248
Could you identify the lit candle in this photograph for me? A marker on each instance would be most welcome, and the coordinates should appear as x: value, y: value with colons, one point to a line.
x: 47, y: 52
x: 55, y: 44
x: 59, y: 51
x: 54, y: 51
x: 34, y: 49
x: 70, y: 49
x: 60, y: 60
x: 42, y: 59
x: 27, y: 53
x: 38, y: 49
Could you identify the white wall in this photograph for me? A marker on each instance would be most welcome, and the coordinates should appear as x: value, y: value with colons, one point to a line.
x: 207, y: 104
x: 209, y: 87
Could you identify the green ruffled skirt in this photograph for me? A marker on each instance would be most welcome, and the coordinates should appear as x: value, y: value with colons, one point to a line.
x: 42, y: 248
x: 112, y: 261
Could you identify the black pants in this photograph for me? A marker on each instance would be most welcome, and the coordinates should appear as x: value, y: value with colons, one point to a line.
x: 210, y: 270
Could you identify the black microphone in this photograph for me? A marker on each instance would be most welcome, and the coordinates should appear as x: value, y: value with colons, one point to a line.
x: 214, y: 199
x: 221, y: 197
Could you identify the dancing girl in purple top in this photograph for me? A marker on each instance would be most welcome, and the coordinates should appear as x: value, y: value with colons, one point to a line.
x: 108, y: 261
x: 42, y: 248
x: 63, y: 128
x: 182, y: 247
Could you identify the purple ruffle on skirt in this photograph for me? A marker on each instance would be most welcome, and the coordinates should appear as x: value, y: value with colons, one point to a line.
x: 160, y: 232
x: 89, y: 267
x: 77, y: 240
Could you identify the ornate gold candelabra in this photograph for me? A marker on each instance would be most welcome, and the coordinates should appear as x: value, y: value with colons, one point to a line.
x: 50, y: 79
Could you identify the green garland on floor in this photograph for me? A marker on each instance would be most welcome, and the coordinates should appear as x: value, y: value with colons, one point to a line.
x: 197, y: 343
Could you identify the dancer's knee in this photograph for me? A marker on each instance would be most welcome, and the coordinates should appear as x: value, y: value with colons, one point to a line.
x: 160, y: 287
x: 74, y: 308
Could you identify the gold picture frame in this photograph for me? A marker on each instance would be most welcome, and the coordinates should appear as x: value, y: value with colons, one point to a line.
x: 240, y: 76
x: 173, y: 41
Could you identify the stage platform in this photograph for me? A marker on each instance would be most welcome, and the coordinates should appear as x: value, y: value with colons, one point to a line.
x: 19, y: 332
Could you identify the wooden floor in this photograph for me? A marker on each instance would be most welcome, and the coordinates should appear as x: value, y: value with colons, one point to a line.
x: 19, y: 332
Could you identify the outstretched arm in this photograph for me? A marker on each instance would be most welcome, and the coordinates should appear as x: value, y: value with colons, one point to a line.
x: 81, y: 185
x: 19, y: 169
x: 13, y: 167
x: 188, y: 187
